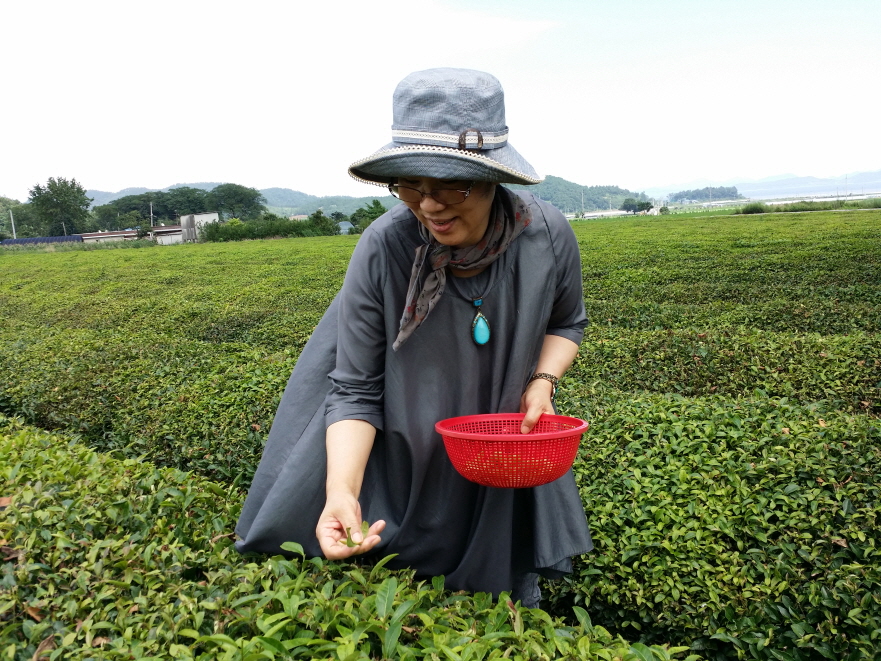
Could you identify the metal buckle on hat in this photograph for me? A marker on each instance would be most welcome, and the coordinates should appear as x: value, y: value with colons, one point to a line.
x: 463, y: 137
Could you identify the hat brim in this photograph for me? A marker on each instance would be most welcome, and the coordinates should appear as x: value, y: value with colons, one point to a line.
x: 397, y: 159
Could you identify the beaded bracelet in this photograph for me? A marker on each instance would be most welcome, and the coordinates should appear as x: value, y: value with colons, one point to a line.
x: 547, y: 377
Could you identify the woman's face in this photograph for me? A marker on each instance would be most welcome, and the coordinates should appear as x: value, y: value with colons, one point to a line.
x: 456, y: 225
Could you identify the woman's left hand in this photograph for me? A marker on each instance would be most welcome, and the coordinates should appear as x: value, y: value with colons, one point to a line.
x: 536, y: 400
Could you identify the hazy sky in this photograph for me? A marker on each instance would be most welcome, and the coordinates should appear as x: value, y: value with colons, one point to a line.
x: 638, y: 93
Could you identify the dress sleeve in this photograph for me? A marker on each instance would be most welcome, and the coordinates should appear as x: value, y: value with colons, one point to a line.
x: 358, y: 380
x: 568, y: 318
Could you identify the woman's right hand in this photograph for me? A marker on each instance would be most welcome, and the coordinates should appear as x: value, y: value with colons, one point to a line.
x: 342, y: 510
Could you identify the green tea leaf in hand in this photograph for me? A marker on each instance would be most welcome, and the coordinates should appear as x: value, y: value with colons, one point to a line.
x: 349, y: 541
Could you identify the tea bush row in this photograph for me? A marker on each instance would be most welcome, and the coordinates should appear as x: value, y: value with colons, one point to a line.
x: 269, y: 226
x: 74, y: 246
x: 810, y: 205
x: 844, y: 369
x: 264, y: 293
x: 749, y: 527
x: 207, y: 407
x: 190, y: 405
x: 786, y: 272
x: 115, y: 559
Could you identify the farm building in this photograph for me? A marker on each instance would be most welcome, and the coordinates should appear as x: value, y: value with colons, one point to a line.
x: 191, y: 224
x: 163, y: 234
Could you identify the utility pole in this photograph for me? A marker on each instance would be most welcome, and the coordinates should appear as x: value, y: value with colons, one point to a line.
x: 151, y: 214
x: 12, y: 218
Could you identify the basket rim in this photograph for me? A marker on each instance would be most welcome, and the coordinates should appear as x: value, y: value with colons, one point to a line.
x: 442, y: 427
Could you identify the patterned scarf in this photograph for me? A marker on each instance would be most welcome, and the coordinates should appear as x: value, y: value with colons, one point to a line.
x: 508, y: 216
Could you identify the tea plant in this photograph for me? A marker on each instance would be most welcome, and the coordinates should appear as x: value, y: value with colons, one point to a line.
x: 744, y: 524
x: 731, y: 374
x: 115, y: 559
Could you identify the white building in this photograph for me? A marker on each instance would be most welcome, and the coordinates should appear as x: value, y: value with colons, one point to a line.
x: 192, y: 223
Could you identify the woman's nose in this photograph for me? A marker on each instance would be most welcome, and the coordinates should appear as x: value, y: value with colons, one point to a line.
x: 430, y: 205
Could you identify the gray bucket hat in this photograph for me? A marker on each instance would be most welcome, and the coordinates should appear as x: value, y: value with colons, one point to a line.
x: 448, y: 124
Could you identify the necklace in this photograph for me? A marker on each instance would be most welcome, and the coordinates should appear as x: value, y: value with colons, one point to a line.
x: 479, y: 325
x: 480, y: 330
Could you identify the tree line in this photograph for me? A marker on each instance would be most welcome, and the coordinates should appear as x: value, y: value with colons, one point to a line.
x: 707, y: 194
x: 270, y: 226
x: 154, y: 207
x: 61, y: 207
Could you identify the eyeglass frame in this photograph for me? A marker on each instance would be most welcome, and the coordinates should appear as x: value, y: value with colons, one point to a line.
x: 431, y: 193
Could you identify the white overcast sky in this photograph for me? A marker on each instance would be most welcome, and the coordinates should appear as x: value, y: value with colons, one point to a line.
x: 636, y: 93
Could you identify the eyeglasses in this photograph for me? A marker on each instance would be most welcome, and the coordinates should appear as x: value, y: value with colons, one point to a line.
x: 445, y: 196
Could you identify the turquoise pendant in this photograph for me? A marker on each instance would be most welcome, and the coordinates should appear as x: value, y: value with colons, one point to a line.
x: 480, y: 325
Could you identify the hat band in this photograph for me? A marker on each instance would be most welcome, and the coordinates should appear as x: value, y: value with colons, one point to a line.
x: 407, y: 155
x: 473, y: 139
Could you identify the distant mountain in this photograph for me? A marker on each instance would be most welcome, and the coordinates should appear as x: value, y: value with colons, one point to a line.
x: 286, y: 202
x: 285, y: 197
x: 786, y: 185
x: 101, y: 197
x: 869, y: 182
x: 204, y: 185
x: 563, y: 194
x: 283, y: 201
x: 570, y: 197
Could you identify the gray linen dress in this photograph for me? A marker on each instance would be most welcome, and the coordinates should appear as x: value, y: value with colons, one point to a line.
x: 439, y: 523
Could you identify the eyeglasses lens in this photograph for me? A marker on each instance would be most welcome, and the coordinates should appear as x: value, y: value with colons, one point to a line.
x: 442, y: 195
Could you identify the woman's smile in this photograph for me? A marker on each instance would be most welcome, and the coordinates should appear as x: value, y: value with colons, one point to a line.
x: 440, y: 225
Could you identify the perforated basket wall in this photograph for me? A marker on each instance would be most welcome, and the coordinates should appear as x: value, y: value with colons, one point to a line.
x: 490, y: 450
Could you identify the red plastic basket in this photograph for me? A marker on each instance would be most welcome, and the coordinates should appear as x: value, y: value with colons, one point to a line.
x: 490, y: 450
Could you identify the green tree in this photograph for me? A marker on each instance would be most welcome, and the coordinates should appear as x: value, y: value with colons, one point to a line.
x: 107, y: 217
x: 644, y: 206
x: 362, y: 217
x: 185, y: 200
x: 156, y: 203
x: 629, y: 205
x: 233, y: 200
x: 132, y: 219
x: 27, y: 222
x: 323, y: 225
x: 6, y: 204
x: 62, y: 206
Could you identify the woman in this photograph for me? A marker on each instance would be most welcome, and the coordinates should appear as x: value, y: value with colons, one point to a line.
x: 464, y: 299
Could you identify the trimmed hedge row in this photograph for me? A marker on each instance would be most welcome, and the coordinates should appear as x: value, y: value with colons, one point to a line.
x: 813, y: 273
x: 807, y: 315
x: 844, y: 369
x: 263, y: 293
x: 208, y: 407
x: 117, y: 559
x: 205, y: 408
x: 748, y: 527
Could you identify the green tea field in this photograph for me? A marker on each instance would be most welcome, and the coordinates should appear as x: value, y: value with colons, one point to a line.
x: 731, y: 375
